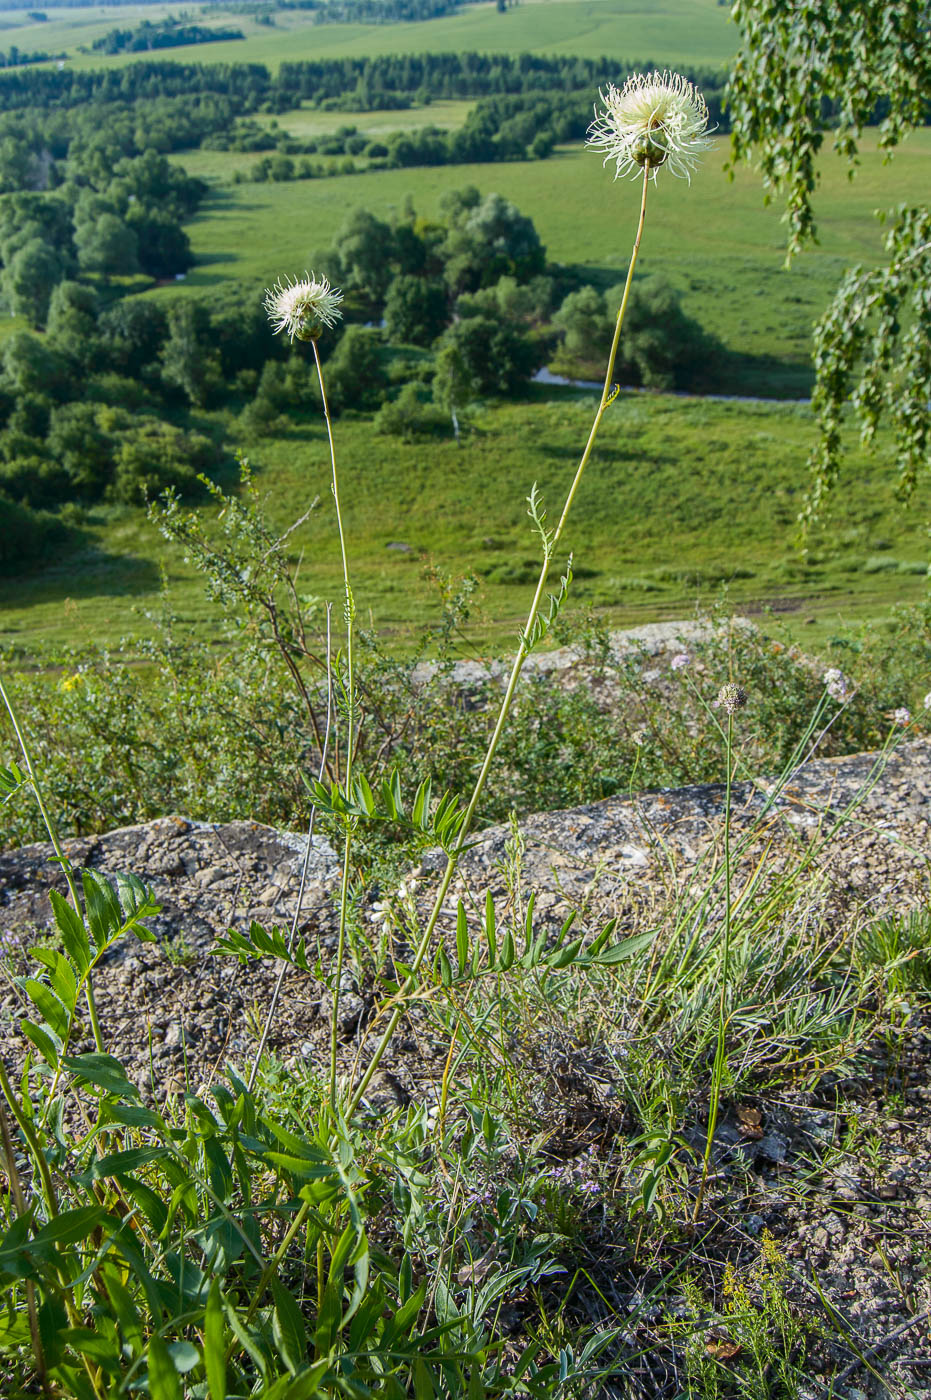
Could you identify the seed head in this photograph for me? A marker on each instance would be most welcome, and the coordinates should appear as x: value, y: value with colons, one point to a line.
x: 654, y: 119
x: 836, y: 684
x: 732, y: 698
x: 303, y: 308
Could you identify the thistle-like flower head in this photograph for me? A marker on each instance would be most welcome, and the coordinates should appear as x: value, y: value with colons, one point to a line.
x: 654, y: 119
x: 731, y: 698
x: 303, y: 308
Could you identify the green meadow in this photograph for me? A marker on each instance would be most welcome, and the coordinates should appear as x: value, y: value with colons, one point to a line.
x: 715, y: 238
x: 679, y: 32
x: 683, y: 499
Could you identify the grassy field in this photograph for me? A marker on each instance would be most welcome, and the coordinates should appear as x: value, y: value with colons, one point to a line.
x: 715, y: 239
x: 674, y: 32
x: 683, y: 497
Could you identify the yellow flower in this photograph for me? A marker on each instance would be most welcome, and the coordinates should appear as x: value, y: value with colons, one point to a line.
x: 654, y: 119
x: 303, y: 308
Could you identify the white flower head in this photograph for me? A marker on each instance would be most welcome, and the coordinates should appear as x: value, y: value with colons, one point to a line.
x: 902, y: 716
x: 304, y: 307
x: 926, y: 702
x: 680, y: 661
x: 654, y: 119
x: 836, y: 684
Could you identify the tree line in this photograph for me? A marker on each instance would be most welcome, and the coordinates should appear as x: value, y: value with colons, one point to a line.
x: 167, y: 34
x: 360, y: 84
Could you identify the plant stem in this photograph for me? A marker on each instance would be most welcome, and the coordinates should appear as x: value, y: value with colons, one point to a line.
x: 292, y: 936
x: 63, y: 860
x: 350, y: 743
x: 20, y: 1200
x: 523, y: 651
x: 717, y: 1073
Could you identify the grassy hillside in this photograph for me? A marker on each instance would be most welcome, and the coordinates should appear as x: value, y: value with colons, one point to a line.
x: 682, y: 497
x: 715, y: 238
x: 673, y: 32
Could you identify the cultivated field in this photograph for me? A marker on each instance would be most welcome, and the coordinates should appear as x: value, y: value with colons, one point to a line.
x: 677, y: 31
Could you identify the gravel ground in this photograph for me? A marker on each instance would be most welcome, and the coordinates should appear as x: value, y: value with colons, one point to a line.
x: 841, y: 1177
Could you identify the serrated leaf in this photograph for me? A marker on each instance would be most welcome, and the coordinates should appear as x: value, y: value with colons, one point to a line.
x: 103, y: 908
x: 104, y: 1071
x: 48, y: 1004
x: 46, y: 1042
x: 72, y: 930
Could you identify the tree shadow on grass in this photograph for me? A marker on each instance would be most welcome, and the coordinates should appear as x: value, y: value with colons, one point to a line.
x: 77, y: 569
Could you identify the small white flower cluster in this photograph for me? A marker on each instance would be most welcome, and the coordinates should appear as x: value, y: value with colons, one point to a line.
x: 926, y: 702
x: 902, y: 716
x: 654, y: 119
x: 680, y: 661
x: 382, y: 909
x: 836, y: 684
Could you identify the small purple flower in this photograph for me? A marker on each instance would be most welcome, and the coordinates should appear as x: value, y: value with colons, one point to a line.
x: 680, y: 660
x: 902, y: 716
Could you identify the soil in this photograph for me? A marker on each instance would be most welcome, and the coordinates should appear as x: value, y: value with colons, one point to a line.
x: 840, y: 1176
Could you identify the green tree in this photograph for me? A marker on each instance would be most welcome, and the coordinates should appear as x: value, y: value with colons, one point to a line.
x: 107, y: 245
x: 72, y: 322
x: 416, y: 310
x: 28, y: 280
x: 496, y: 358
x: 807, y: 69
x: 489, y: 240
x: 587, y: 328
x: 189, y: 359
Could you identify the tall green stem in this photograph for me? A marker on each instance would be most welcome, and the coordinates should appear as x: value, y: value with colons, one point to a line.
x: 350, y: 612
x: 63, y: 860
x: 521, y: 656
x: 717, y: 1074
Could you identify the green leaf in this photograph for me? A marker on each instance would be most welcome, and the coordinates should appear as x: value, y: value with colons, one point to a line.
x: 71, y: 1226
x: 420, y: 815
x: 103, y: 908
x: 50, y: 1006
x: 163, y: 1378
x: 117, y: 1163
x: 423, y: 1381
x: 104, y: 1071
x: 462, y: 939
x: 215, y: 1344
x: 91, y: 1342
x: 60, y: 975
x: 567, y: 955
x: 490, y: 926
x: 627, y: 948
x: 73, y: 933
x: 124, y: 1310
x: 47, y: 1044
x: 288, y: 1328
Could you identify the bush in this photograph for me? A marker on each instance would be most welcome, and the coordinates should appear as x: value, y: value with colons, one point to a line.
x: 27, y: 534
x: 412, y: 415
